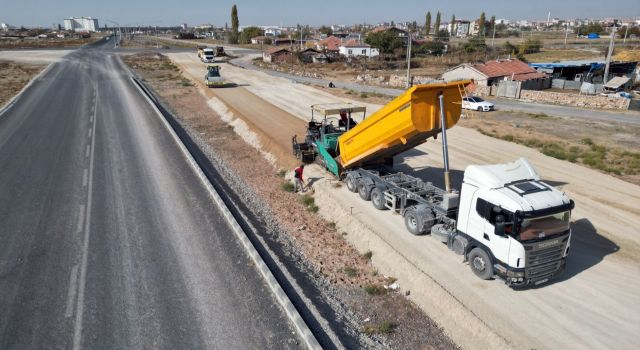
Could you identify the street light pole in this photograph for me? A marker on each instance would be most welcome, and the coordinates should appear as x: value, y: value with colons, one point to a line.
x: 116, y: 32
x: 409, y: 61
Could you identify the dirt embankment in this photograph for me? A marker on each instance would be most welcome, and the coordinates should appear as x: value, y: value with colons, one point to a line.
x: 13, y: 77
x: 384, y: 317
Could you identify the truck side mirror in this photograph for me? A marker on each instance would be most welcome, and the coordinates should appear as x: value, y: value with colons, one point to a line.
x: 499, y: 225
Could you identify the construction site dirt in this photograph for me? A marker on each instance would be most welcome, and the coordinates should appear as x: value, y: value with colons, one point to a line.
x: 604, y: 248
x: 376, y: 316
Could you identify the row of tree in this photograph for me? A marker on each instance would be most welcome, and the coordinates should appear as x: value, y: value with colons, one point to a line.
x: 485, y: 26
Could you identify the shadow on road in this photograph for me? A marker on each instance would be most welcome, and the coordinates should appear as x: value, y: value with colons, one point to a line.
x: 588, y: 248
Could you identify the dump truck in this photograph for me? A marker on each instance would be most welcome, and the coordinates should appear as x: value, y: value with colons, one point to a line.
x: 213, y: 77
x: 503, y: 220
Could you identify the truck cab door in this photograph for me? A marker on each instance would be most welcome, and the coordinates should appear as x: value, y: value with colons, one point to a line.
x: 498, y: 244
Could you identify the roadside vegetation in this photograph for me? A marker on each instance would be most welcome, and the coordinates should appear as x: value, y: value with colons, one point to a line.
x: 13, y: 77
x: 608, y: 147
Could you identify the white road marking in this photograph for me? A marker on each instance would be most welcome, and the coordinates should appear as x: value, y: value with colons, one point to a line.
x: 89, y: 132
x: 91, y: 118
x: 86, y: 153
x: 72, y: 291
x: 77, y: 334
x: 85, y: 175
x: 81, y: 219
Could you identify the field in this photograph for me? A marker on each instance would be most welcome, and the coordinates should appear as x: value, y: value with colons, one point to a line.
x: 13, y: 77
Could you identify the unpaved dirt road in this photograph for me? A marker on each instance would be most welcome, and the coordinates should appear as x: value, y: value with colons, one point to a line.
x: 596, y: 303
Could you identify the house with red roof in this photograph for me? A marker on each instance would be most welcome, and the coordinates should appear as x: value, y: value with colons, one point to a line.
x: 331, y: 43
x: 492, y: 72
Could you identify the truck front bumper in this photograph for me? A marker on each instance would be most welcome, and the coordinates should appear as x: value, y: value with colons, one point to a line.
x: 527, y: 276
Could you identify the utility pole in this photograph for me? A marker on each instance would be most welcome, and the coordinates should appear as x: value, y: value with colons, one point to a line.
x: 493, y: 37
x: 566, y: 33
x: 626, y: 31
x: 605, y: 79
x: 409, y: 61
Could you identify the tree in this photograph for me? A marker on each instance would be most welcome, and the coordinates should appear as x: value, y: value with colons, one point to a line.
x: 510, y: 48
x: 427, y: 25
x: 250, y: 32
x: 475, y: 44
x: 442, y: 35
x: 235, y: 24
x: 326, y: 30
x: 435, y: 48
x: 481, y: 25
x: 385, y: 41
x: 436, y: 27
x: 453, y: 24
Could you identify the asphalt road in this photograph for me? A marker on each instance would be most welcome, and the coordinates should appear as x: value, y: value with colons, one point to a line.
x: 108, y: 240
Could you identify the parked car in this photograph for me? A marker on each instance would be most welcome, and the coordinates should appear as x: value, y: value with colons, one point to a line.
x: 477, y: 104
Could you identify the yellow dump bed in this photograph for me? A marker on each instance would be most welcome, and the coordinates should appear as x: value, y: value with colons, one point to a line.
x: 407, y: 121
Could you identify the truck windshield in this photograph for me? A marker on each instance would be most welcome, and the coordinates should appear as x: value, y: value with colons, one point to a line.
x: 544, y: 226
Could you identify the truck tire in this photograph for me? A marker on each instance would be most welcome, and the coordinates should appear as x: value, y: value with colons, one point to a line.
x: 351, y: 182
x: 480, y: 263
x: 363, y: 190
x: 377, y: 198
x: 412, y: 222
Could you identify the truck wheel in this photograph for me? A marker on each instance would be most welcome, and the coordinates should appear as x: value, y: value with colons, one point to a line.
x: 351, y: 183
x: 480, y: 263
x: 363, y: 190
x: 377, y: 198
x: 412, y: 222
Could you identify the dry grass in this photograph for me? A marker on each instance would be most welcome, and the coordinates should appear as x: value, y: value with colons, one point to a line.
x: 553, y: 55
x: 13, y: 77
x: 608, y: 147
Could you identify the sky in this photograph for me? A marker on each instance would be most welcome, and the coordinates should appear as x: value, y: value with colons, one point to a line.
x: 289, y: 12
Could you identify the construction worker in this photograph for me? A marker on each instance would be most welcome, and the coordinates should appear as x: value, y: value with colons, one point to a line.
x: 298, y: 180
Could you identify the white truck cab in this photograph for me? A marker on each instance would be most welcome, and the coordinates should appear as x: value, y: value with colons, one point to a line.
x: 511, y: 224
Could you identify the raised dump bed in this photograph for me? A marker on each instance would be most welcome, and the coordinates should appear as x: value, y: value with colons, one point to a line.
x: 407, y: 121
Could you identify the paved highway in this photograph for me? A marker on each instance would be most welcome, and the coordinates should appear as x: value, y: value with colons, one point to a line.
x: 108, y: 240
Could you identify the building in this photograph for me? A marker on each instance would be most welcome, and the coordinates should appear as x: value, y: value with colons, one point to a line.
x: 585, y: 70
x: 81, y: 24
x: 492, y: 72
x: 277, y: 55
x: 184, y: 26
x: 460, y: 29
x: 272, y: 31
x: 331, y: 43
x: 402, y: 34
x: 354, y: 48
x: 260, y: 40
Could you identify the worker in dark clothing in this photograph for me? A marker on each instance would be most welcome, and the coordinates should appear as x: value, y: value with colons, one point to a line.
x: 346, y: 120
x: 298, y: 180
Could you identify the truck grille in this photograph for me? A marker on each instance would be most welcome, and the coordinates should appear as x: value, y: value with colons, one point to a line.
x: 544, y: 261
x: 542, y: 256
x: 540, y: 271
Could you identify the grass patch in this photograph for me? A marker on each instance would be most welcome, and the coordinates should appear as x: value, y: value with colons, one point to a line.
x: 310, y: 203
x: 367, y: 255
x: 350, y: 271
x: 281, y: 173
x: 373, y: 289
x: 587, y: 152
x: 287, y: 186
x: 364, y: 95
x: 384, y: 327
x: 307, y: 200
